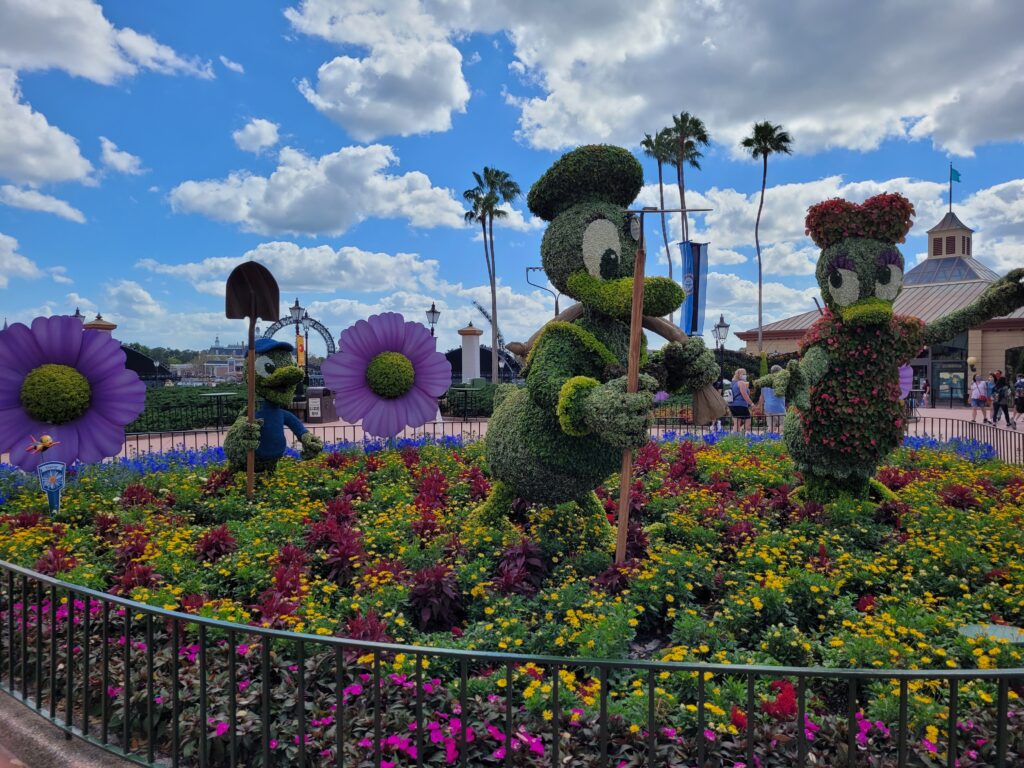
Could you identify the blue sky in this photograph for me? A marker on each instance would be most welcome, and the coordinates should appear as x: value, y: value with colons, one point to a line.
x: 145, y: 148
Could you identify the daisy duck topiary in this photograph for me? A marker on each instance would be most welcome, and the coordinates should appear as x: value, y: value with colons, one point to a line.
x: 846, y: 414
x: 276, y: 379
x: 561, y: 435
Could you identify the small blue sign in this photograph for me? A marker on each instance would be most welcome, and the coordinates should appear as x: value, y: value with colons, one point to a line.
x: 51, y: 480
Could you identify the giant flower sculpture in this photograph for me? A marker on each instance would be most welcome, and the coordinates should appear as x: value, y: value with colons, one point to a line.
x: 388, y: 373
x: 65, y: 393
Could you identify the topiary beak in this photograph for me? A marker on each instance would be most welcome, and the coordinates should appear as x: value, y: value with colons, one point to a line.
x: 283, y: 378
x: 869, y: 311
x: 615, y: 297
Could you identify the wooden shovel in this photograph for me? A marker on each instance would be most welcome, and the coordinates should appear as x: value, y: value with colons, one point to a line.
x: 252, y: 292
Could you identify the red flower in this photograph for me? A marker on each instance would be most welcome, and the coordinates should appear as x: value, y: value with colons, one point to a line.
x: 739, y: 719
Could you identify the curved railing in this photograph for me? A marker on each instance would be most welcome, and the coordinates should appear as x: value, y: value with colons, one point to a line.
x: 161, y: 687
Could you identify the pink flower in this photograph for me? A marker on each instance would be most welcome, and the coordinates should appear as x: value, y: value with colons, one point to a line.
x: 929, y: 746
x: 222, y: 728
x: 709, y: 734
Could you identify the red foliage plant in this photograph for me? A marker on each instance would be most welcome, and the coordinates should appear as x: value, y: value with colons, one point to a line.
x: 432, y: 492
x: 56, y: 560
x: 137, y: 495
x: 896, y: 479
x: 648, y: 456
x: 479, y: 485
x: 338, y: 460
x: 357, y: 487
x: 217, y: 482
x: 616, y: 578
x: 521, y: 570
x: 368, y: 627
x: 436, y: 599
x: 136, y: 575
x: 959, y: 497
x: 215, y: 544
x: 344, y: 555
x: 427, y: 526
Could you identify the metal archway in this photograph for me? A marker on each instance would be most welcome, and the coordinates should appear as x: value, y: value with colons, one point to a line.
x: 314, y: 325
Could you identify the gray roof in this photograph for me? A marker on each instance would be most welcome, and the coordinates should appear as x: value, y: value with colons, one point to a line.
x: 949, y: 221
x: 948, y: 269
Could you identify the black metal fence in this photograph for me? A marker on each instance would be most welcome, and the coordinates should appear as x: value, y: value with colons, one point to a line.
x: 189, y: 416
x: 1008, y: 444
x: 176, y: 689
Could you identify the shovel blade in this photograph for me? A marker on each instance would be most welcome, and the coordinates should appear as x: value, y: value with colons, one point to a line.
x: 252, y: 292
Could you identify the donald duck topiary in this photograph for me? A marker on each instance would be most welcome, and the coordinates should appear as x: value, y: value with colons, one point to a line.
x: 559, y: 437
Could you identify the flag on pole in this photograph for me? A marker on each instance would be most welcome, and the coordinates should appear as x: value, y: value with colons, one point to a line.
x: 954, y: 174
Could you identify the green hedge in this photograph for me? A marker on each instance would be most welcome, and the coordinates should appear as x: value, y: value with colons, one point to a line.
x: 181, y: 408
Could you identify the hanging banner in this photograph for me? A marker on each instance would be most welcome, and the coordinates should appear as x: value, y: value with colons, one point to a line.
x: 300, y: 351
x: 695, y: 280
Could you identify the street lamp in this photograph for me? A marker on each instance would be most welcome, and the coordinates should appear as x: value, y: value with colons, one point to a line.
x: 305, y: 346
x: 433, y: 315
x: 501, y: 367
x: 296, y: 312
x: 542, y: 287
x: 720, y: 332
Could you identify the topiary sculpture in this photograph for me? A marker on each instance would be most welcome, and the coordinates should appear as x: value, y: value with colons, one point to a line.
x: 559, y: 437
x: 276, y: 379
x: 846, y: 415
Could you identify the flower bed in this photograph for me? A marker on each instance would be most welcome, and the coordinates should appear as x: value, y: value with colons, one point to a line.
x: 724, y: 568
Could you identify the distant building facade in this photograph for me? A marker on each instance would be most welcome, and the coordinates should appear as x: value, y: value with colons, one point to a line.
x: 948, y: 279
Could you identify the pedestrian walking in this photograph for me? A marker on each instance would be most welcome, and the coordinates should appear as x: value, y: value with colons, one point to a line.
x: 774, y: 405
x: 741, y: 404
x: 1001, y: 399
x: 979, y: 398
x: 926, y: 390
x: 1018, y: 400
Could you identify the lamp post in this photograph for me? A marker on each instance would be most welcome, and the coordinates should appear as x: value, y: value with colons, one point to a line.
x: 501, y: 367
x: 542, y: 287
x: 296, y: 313
x: 305, y: 346
x: 433, y: 315
x: 721, y: 331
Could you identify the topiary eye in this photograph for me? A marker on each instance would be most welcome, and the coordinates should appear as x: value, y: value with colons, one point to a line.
x: 835, y: 279
x: 264, y: 366
x: 601, y: 248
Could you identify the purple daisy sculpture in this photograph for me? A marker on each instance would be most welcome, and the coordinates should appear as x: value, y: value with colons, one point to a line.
x: 388, y: 373
x: 65, y: 394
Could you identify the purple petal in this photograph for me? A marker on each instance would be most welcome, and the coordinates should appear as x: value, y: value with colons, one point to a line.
x: 418, y: 342
x: 120, y: 398
x: 101, y: 356
x: 10, y: 388
x: 385, y: 419
x: 353, y: 407
x: 360, y: 341
x: 15, y: 428
x: 420, y: 408
x: 102, y: 438
x: 19, y: 351
x: 59, y: 338
x: 389, y: 328
x: 434, y: 375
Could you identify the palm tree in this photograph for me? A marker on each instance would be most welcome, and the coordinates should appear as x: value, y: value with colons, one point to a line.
x: 689, y: 136
x: 659, y: 147
x: 766, y: 139
x: 493, y: 187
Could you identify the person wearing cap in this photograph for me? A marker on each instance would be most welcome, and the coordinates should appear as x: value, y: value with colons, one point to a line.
x: 276, y: 379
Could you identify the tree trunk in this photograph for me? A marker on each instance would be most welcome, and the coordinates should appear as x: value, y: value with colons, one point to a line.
x: 681, y: 178
x: 664, y: 231
x: 494, y: 307
x: 757, y: 245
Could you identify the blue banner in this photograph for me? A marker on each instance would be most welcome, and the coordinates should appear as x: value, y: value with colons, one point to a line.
x: 695, y: 280
x: 51, y: 480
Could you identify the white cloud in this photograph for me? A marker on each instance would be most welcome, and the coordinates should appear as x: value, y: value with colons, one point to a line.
x: 31, y: 150
x: 13, y: 264
x: 128, y: 299
x: 997, y: 213
x: 120, y: 161
x: 32, y: 200
x: 257, y: 135
x: 409, y: 82
x: 75, y: 36
x: 319, y: 269
x: 325, y: 195
x: 234, y: 66
x: 59, y: 275
x: 848, y: 78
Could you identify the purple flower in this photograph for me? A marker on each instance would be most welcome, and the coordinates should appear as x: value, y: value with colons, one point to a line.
x: 660, y: 396
x: 61, y: 380
x: 388, y: 373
